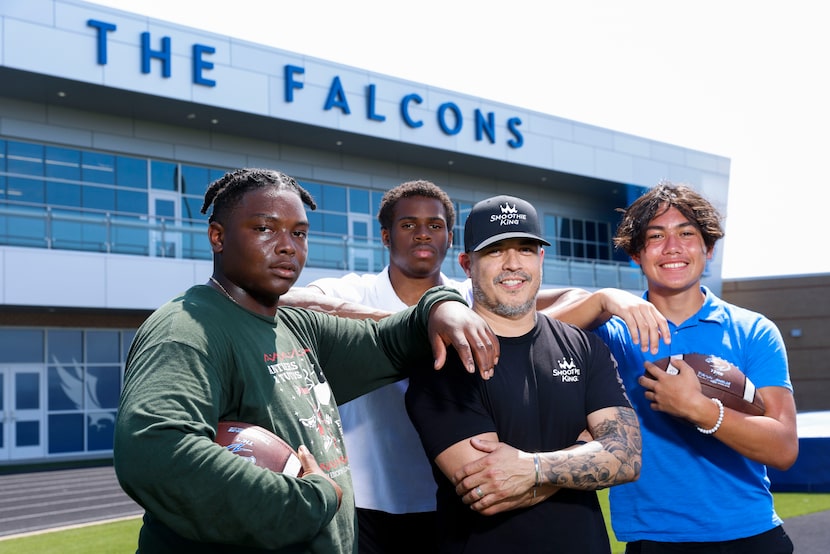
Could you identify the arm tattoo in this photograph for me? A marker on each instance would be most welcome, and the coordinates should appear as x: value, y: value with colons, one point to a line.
x: 612, y: 458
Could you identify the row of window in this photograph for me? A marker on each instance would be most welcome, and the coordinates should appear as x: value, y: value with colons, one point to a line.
x: 62, y: 388
x: 74, y: 199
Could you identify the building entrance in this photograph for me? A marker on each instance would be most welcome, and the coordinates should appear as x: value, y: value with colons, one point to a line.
x: 22, y: 409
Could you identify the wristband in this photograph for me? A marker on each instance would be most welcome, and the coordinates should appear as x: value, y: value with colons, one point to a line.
x: 718, y: 422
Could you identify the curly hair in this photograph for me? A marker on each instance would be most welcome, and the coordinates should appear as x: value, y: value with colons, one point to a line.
x: 631, y: 232
x: 409, y: 189
x: 226, y: 192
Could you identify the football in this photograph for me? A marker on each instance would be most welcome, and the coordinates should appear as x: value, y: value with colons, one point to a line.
x: 259, y: 446
x: 720, y: 379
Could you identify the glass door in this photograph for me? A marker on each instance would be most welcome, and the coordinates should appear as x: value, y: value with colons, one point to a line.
x: 22, y: 406
x: 361, y: 244
x: 165, y: 236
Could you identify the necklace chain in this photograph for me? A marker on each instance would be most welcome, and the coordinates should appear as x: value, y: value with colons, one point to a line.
x: 223, y: 289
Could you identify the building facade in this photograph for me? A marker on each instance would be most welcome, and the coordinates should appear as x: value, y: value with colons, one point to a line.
x: 113, y: 124
x: 800, y: 306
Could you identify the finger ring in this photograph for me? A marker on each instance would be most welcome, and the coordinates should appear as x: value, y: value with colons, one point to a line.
x: 479, y: 492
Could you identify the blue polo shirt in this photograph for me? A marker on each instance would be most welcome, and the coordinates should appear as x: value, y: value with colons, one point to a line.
x: 692, y: 486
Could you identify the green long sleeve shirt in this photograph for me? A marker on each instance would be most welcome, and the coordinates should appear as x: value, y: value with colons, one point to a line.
x: 200, y: 359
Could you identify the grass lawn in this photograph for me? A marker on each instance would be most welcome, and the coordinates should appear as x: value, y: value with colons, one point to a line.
x: 120, y: 537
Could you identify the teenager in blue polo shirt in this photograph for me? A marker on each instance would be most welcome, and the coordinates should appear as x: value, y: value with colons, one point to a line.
x: 703, y: 486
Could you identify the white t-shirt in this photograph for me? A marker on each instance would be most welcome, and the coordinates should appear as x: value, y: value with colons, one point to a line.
x: 390, y: 471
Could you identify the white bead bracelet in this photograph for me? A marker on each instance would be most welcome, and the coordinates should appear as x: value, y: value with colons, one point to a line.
x: 717, y: 424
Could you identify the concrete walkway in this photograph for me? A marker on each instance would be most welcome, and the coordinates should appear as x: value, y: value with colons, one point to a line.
x: 810, y: 533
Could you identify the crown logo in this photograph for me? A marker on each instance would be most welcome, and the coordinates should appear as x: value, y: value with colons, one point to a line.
x: 506, y: 209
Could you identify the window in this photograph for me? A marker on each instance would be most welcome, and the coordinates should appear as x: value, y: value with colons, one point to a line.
x: 578, y: 238
x: 99, y: 198
x: 83, y: 375
x: 21, y: 346
x: 359, y: 201
x: 132, y: 202
x: 98, y: 168
x: 24, y: 158
x: 450, y: 266
x: 63, y: 163
x: 26, y: 190
x: 163, y: 176
x: 332, y: 198
x: 131, y: 173
x: 63, y: 194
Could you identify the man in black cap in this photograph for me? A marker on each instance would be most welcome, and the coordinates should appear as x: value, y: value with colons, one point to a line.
x: 535, y: 492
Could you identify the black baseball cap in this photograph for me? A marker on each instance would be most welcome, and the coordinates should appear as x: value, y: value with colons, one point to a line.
x: 499, y: 218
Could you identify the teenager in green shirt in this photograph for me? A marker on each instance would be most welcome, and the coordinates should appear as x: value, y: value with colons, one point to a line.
x: 223, y: 351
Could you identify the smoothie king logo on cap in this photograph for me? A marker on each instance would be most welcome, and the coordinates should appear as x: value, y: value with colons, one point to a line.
x: 499, y: 218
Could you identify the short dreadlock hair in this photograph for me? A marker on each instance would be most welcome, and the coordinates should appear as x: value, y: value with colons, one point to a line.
x: 631, y: 232
x: 409, y: 189
x: 226, y: 192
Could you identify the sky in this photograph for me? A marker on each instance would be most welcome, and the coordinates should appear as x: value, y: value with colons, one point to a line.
x: 745, y: 79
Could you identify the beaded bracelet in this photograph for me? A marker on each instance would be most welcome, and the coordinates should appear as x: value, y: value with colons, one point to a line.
x: 538, y: 467
x: 720, y: 419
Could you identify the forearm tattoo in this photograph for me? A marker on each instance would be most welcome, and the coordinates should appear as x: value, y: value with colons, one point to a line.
x: 612, y: 458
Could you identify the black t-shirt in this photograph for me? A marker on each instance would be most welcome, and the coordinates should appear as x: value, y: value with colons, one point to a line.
x: 544, y: 386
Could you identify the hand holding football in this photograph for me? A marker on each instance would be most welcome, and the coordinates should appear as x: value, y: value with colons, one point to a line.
x: 720, y: 379
x: 259, y: 446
